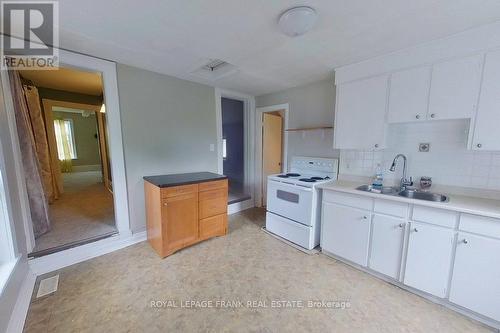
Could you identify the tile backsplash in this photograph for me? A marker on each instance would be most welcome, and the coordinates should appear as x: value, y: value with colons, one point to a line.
x: 448, y: 162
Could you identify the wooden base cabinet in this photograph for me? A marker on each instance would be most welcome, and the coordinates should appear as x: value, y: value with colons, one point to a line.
x: 180, y: 216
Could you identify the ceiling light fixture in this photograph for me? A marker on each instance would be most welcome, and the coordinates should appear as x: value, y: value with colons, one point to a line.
x: 297, y: 21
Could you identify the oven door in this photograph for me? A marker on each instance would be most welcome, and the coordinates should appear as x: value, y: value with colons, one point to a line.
x: 290, y: 201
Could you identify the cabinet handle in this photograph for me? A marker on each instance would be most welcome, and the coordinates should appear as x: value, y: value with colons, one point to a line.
x: 365, y: 217
x: 465, y: 241
x: 376, y: 145
x: 415, y: 229
x: 401, y: 225
x: 165, y: 204
x: 479, y: 145
x: 433, y: 115
x: 417, y: 116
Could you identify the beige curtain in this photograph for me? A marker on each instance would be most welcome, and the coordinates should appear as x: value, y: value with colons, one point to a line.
x: 63, y: 145
x: 41, y: 142
x: 28, y: 145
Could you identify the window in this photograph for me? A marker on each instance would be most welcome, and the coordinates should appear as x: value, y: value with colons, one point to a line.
x: 224, y: 149
x: 65, y: 139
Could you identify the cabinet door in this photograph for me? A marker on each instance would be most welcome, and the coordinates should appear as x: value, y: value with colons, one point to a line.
x: 180, y: 220
x: 486, y: 135
x: 455, y: 88
x: 387, y: 245
x: 360, y: 114
x: 409, y: 95
x: 476, y: 275
x: 345, y: 232
x: 429, y: 258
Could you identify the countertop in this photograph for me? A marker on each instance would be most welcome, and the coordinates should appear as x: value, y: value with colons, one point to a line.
x: 183, y: 178
x: 459, y: 203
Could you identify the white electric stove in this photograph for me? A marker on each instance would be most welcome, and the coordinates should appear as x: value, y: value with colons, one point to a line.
x: 294, y: 202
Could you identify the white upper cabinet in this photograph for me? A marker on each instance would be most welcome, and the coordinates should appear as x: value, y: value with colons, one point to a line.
x: 360, y: 117
x: 488, y: 114
x: 455, y: 88
x: 409, y: 95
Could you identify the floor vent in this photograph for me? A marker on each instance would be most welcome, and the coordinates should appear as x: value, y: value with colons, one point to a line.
x: 48, y: 286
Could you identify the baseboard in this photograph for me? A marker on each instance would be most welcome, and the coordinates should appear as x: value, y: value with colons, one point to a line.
x: 20, y: 311
x: 84, y: 168
x: 78, y: 254
x: 239, y: 206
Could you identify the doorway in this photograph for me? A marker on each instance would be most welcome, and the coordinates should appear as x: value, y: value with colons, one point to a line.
x: 271, y: 146
x: 233, y: 148
x: 66, y: 113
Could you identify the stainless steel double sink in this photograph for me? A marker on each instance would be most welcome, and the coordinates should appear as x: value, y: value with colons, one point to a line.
x: 408, y: 193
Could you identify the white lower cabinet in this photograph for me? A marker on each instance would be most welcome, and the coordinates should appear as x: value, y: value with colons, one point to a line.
x: 345, y: 232
x: 429, y: 258
x: 476, y: 275
x: 387, y: 245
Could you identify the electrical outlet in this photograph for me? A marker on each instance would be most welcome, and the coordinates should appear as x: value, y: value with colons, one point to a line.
x: 424, y: 147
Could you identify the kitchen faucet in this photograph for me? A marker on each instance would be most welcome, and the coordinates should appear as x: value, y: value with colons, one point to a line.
x: 404, y: 181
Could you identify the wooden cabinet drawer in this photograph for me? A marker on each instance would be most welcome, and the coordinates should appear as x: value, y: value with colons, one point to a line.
x: 481, y: 225
x: 207, y: 186
x: 213, y: 202
x: 168, y: 192
x: 213, y: 226
x: 441, y: 217
x: 347, y: 199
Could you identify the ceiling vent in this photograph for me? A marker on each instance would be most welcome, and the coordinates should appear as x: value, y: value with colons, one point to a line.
x: 215, y: 69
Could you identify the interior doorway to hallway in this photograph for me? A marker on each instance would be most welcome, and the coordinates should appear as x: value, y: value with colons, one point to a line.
x: 233, y: 148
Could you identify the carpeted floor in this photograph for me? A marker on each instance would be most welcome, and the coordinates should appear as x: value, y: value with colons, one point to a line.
x: 199, y: 289
x: 85, y: 210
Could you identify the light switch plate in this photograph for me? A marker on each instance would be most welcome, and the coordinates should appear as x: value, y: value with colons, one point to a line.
x: 212, y: 147
x: 424, y: 147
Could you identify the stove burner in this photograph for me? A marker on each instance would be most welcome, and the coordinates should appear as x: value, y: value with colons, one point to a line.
x: 293, y: 174
x: 283, y: 176
x: 317, y: 178
x: 308, y: 180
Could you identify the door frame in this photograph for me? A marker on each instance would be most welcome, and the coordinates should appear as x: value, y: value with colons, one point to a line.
x: 110, y: 86
x: 249, y: 142
x: 48, y: 104
x: 258, y: 145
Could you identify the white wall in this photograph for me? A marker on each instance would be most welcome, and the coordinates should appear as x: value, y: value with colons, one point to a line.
x: 310, y: 105
x: 448, y: 162
x: 168, y: 125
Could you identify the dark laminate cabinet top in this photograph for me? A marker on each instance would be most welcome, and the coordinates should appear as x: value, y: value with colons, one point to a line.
x: 183, y: 178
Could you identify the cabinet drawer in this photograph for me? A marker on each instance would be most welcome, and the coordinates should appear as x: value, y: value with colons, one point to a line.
x: 207, y: 186
x: 168, y: 192
x: 213, y: 202
x: 213, y: 226
x: 485, y: 226
x: 441, y: 217
x: 391, y: 208
x: 352, y: 200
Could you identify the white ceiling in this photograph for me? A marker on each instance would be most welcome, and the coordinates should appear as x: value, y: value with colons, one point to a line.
x: 176, y: 37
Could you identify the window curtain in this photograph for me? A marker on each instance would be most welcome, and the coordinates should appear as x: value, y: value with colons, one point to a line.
x: 63, y: 145
x: 47, y: 171
x: 28, y: 137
